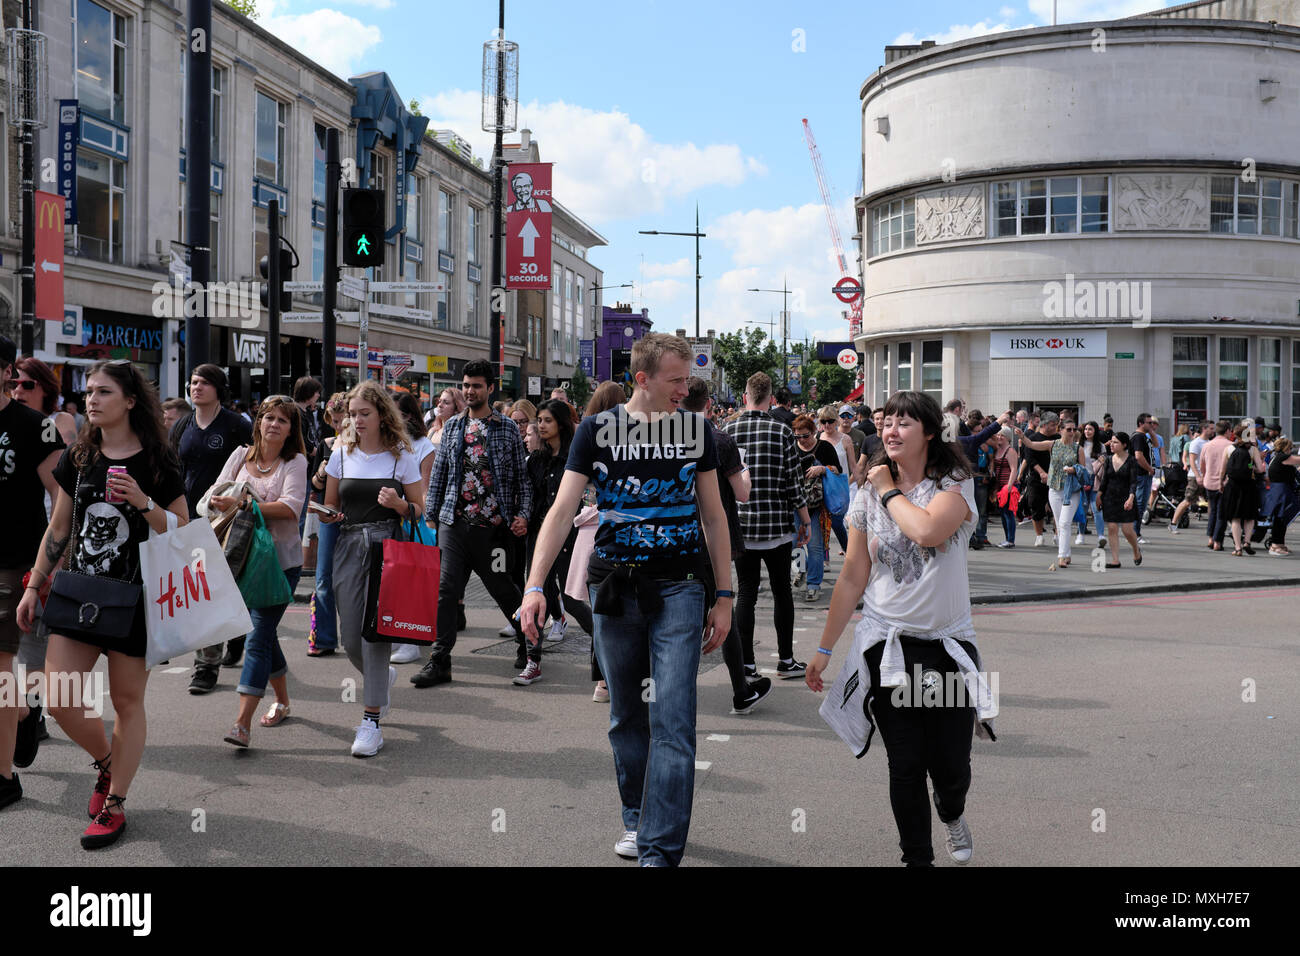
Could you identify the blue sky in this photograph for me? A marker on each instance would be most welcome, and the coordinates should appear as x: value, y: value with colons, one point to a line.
x: 649, y: 108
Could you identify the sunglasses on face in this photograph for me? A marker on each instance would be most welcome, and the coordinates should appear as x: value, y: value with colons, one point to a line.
x: 803, y: 435
x: 26, y: 384
x: 828, y: 421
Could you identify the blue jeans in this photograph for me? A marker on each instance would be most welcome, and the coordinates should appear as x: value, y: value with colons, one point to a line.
x: 1008, y: 524
x: 1140, y: 506
x: 263, y: 658
x: 326, y: 634
x: 650, y: 665
x: 981, y: 505
x: 816, y: 550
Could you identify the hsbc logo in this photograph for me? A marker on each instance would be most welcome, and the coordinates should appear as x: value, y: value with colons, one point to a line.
x: 1035, y: 344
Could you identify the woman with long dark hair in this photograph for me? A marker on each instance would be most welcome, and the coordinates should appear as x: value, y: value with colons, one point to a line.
x: 1090, y: 442
x: 545, y: 471
x: 909, y: 528
x: 1240, y: 504
x: 36, y: 387
x: 1117, y: 497
x: 114, y: 484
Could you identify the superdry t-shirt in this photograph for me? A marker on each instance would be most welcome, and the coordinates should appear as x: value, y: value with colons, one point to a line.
x: 644, y: 472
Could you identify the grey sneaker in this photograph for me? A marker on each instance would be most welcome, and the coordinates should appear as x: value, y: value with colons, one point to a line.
x: 958, y: 841
x: 813, y: 596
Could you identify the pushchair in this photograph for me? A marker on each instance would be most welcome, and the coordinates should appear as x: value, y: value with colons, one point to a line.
x: 1171, y: 486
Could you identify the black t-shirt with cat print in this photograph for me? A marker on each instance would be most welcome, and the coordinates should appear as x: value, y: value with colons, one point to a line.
x: 108, y: 535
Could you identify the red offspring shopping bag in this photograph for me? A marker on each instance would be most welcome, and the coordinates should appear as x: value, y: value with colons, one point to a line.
x: 403, y: 608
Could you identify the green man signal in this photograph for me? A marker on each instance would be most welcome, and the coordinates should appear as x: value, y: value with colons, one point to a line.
x: 363, y: 227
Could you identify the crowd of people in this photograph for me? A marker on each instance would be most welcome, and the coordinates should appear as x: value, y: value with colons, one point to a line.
x: 644, y: 520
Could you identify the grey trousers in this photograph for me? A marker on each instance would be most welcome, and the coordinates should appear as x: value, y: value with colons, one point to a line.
x: 351, y: 575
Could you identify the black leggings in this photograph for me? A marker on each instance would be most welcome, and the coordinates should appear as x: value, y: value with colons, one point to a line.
x: 920, y: 740
x: 778, y: 578
x: 557, y: 602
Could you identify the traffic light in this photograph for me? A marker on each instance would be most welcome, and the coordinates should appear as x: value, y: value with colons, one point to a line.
x: 284, y: 275
x: 363, y: 227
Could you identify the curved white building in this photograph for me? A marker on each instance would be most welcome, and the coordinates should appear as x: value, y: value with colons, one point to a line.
x: 1098, y: 215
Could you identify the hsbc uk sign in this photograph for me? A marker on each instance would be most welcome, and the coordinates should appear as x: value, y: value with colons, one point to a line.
x: 1047, y: 343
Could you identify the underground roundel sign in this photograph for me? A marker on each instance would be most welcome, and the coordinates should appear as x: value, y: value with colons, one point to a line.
x: 848, y: 358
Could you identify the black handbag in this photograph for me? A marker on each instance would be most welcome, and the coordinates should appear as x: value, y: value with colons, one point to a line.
x: 90, y: 603
x: 239, y: 538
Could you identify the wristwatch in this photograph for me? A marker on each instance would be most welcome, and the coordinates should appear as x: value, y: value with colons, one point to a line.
x: 148, y: 507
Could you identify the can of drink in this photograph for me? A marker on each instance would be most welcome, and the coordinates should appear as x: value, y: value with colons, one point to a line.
x: 109, y: 496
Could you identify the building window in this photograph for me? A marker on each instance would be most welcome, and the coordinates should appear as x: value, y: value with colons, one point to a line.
x: 1295, y: 387
x: 445, y: 224
x: 1233, y: 374
x: 1270, y: 380
x: 1061, y: 205
x: 1191, y: 374
x: 261, y: 234
x: 214, y: 235
x: 414, y: 208
x: 557, y: 310
x: 579, y: 309
x: 893, y: 226
x: 269, y: 156
x: 884, y: 374
x: 101, y: 61
x: 1264, y: 207
x: 932, y: 369
x: 101, y: 197
x: 442, y: 307
x: 568, y: 317
x: 218, y: 94
x: 904, y: 366
x: 472, y: 225
x: 318, y: 164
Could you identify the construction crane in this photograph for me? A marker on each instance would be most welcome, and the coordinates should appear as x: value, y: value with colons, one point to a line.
x: 855, y: 313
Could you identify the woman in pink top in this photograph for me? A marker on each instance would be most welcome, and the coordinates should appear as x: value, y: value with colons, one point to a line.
x: 275, y: 468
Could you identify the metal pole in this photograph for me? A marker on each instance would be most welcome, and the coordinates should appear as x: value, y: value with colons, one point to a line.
x: 329, y: 328
x: 363, y: 336
x: 27, y: 268
x: 273, y: 299
x: 785, y: 330
x: 198, y: 177
x: 697, y: 270
x: 498, y: 345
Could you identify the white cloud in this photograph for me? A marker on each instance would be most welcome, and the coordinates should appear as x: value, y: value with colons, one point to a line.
x: 956, y: 32
x: 1006, y: 13
x: 333, y: 39
x: 1080, y: 11
x: 654, y: 270
x: 662, y: 290
x: 606, y: 166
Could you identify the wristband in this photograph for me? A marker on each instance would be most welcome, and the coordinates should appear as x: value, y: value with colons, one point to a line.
x: 822, y: 650
x: 725, y: 594
x: 532, y: 589
x: 889, y: 496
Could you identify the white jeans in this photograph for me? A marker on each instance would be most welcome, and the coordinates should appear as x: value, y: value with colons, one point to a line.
x: 1063, y: 515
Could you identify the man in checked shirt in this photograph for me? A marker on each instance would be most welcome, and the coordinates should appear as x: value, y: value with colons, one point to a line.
x: 776, y: 494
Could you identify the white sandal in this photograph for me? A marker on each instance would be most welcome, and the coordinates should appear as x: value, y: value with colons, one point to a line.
x: 276, y: 714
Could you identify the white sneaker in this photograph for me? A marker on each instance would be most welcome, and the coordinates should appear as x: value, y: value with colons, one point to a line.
x: 392, y: 679
x: 1173, y: 530
x: 1142, y: 540
x: 369, y: 740
x: 404, y: 654
x: 626, y: 846
x: 508, y: 631
x: 1078, y: 539
x: 1038, y: 541
x: 557, y: 630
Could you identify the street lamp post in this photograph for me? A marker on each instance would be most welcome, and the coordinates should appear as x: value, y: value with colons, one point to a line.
x: 698, y: 236
x: 597, y: 326
x: 784, y: 292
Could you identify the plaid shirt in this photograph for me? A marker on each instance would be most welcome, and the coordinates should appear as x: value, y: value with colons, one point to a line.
x: 513, y: 490
x: 777, y: 489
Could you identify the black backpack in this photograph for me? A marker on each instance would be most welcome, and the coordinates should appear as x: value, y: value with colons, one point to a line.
x: 1239, y: 467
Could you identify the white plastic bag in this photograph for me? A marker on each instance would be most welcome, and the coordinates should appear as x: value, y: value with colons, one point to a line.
x: 191, y: 598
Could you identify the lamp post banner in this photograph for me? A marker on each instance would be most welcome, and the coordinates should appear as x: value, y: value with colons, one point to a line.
x: 528, y: 226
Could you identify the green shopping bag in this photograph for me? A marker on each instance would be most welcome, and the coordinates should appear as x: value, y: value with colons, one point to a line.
x: 263, y: 583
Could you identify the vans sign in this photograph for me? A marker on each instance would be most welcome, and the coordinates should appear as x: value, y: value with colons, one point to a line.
x: 247, y: 349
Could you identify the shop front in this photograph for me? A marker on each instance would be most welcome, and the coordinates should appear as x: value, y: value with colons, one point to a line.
x: 88, y: 335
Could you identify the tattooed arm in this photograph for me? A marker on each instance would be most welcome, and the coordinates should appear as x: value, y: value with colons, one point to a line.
x: 52, y: 545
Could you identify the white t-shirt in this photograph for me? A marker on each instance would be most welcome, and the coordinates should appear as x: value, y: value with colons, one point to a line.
x: 919, y: 589
x: 1194, y: 449
x: 357, y: 464
x: 423, y: 449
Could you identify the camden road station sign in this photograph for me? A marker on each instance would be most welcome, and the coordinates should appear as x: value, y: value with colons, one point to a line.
x: 1047, y: 343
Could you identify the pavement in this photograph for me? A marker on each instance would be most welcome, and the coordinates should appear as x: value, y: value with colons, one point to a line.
x: 1136, y: 729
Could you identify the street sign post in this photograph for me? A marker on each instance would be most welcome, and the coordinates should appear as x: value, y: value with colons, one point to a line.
x: 848, y: 289
x: 303, y: 286
x: 408, y: 287
x: 354, y: 287
x: 49, y: 256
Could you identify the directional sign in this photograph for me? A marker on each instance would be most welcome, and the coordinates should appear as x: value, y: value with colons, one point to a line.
x: 401, y: 311
x: 49, y: 256
x: 848, y: 359
x: 848, y: 289
x: 353, y: 287
x: 304, y: 287
x: 528, y: 226
x: 300, y: 316
x: 408, y: 287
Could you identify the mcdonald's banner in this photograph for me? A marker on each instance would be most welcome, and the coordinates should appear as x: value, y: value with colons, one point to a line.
x: 49, y: 257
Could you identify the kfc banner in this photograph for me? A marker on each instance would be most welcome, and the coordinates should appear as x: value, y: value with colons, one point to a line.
x: 528, y: 226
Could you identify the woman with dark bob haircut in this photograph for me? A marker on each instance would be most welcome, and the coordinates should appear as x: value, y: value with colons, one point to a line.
x: 913, y: 671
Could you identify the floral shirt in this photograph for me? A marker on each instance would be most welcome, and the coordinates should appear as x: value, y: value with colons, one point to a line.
x: 477, y: 502
x: 1063, y: 456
